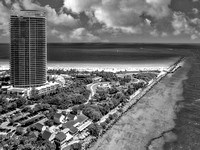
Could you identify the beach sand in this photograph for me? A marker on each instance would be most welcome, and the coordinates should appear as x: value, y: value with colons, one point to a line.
x: 148, y: 119
x: 112, y: 67
x: 106, y: 66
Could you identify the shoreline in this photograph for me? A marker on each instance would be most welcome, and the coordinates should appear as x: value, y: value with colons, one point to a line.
x: 169, y: 135
x: 117, y: 134
x: 187, y: 122
x: 105, y: 66
x: 106, y: 69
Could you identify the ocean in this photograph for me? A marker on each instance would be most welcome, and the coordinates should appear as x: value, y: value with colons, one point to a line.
x: 102, y: 56
x: 187, y: 126
x: 187, y: 120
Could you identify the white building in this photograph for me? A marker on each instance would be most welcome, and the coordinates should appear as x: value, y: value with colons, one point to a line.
x: 41, y: 90
x: 46, y: 89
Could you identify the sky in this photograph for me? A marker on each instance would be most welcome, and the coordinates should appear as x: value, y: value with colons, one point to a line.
x: 124, y: 21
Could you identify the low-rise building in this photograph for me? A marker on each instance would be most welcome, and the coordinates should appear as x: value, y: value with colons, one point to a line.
x: 73, y: 130
x: 81, y: 118
x: 66, y: 130
x: 48, y: 136
x: 68, y: 137
x: 29, y: 92
x: 84, y: 125
x: 68, y: 124
x: 96, y: 79
x: 34, y: 134
x: 4, y: 89
x: 59, y: 118
x: 70, y: 117
x: 17, y: 91
x: 60, y: 139
x: 46, y: 89
x: 68, y: 147
x: 39, y: 127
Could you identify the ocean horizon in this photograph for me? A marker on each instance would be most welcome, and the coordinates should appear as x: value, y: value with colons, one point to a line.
x: 103, y: 56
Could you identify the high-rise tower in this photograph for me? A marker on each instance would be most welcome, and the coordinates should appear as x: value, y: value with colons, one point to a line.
x: 28, y: 48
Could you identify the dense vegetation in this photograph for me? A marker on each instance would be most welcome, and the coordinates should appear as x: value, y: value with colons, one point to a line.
x: 107, y: 76
x: 66, y: 97
x: 145, y: 76
x: 7, y: 106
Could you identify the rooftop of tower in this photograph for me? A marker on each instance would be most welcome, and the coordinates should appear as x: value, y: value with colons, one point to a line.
x: 29, y: 13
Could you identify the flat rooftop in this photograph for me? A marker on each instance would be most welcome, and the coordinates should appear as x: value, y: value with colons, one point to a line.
x: 29, y: 13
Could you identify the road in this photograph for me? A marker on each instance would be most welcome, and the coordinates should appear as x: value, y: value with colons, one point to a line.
x: 92, y: 87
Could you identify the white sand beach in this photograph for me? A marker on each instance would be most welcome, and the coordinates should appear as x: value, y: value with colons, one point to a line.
x: 111, y: 67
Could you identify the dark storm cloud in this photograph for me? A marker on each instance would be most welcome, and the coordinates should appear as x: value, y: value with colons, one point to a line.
x: 112, y: 20
x: 56, y: 4
x: 185, y: 6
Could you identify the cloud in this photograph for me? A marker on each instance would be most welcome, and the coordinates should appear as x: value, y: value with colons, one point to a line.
x: 158, y: 8
x: 53, y: 17
x: 8, y: 2
x: 195, y: 21
x: 195, y: 10
x: 164, y: 34
x: 77, y: 35
x: 4, y: 20
x: 94, y: 20
x: 28, y: 4
x: 122, y: 15
x: 78, y: 6
x: 148, y: 22
x: 154, y: 33
x: 183, y: 24
x: 81, y: 34
x: 61, y: 18
x: 60, y: 35
x: 16, y: 6
x: 194, y: 36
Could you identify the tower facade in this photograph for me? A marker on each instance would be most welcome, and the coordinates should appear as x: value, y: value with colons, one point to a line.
x: 28, y: 48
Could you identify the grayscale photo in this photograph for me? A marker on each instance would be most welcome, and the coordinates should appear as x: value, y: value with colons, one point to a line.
x: 99, y: 74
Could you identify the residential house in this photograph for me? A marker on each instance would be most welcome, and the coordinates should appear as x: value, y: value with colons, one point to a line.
x: 59, y: 118
x: 73, y: 130
x: 84, y: 125
x: 81, y: 118
x: 34, y: 134
x: 68, y: 147
x: 68, y: 124
x: 60, y: 139
x: 96, y: 79
x: 70, y: 117
x: 66, y: 130
x: 39, y: 127
x: 48, y: 136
